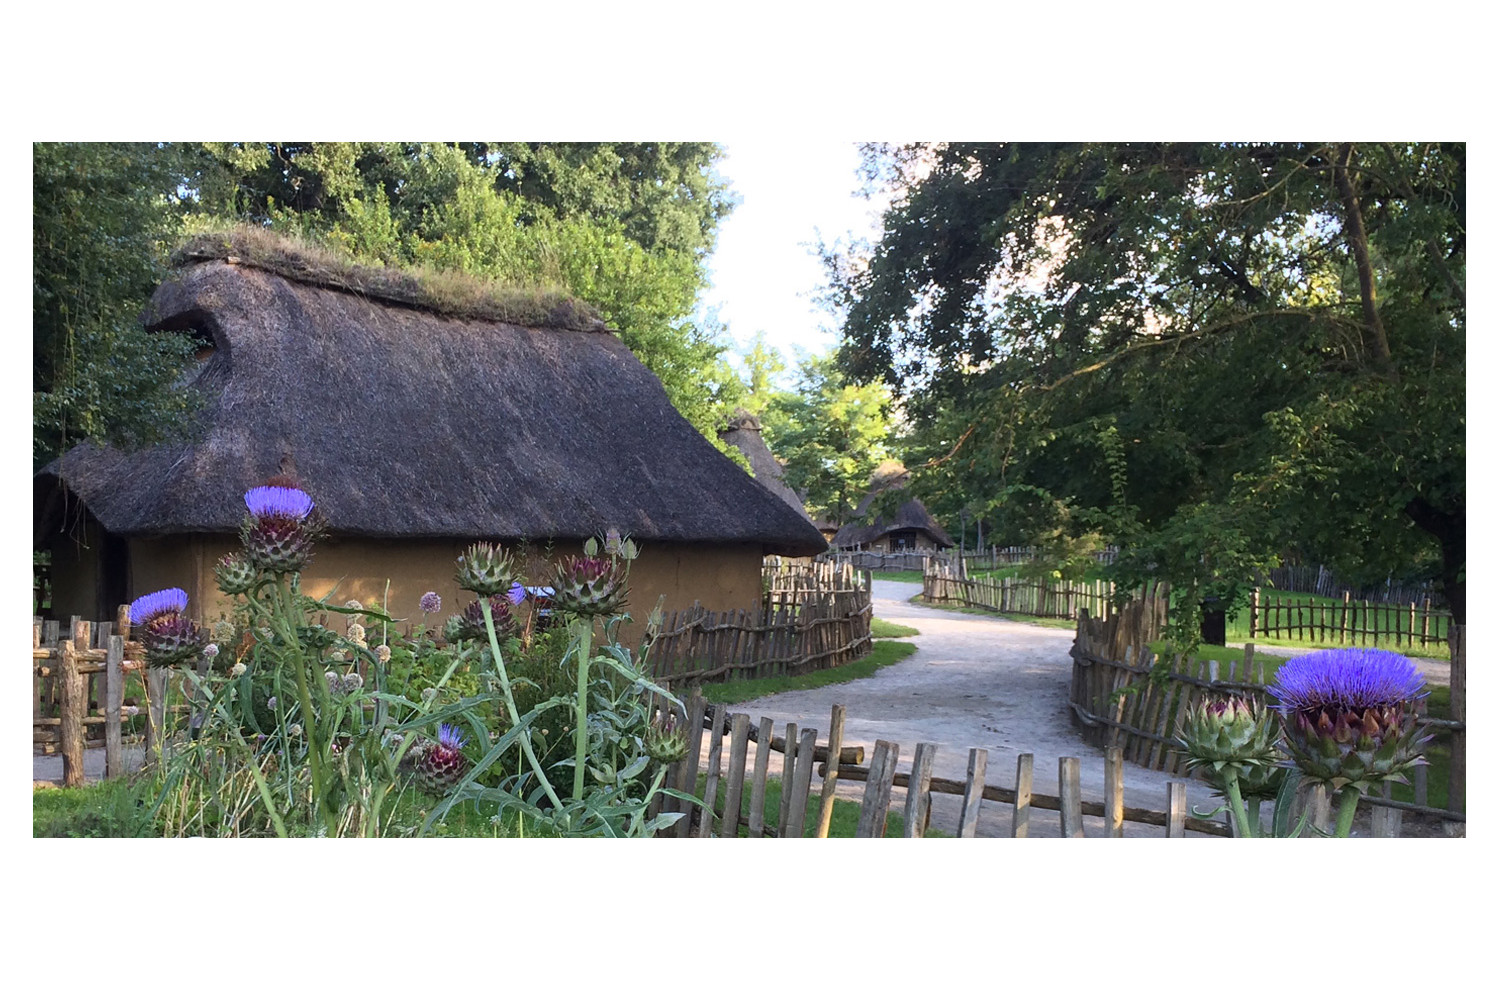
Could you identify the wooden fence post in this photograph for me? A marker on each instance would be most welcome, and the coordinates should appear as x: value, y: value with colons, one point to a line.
x: 1114, y: 792
x: 1176, y: 809
x: 1020, y: 818
x: 968, y: 817
x: 788, y: 765
x: 1070, y: 797
x: 113, y: 703
x: 831, y: 770
x: 757, y: 823
x: 919, y: 791
x: 711, y: 780
x: 1457, y: 705
x: 74, y: 707
x: 689, y: 783
x: 739, y: 730
x: 877, y: 800
x: 798, y: 783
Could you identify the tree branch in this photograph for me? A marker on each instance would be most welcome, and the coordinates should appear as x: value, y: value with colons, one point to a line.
x: 1354, y: 229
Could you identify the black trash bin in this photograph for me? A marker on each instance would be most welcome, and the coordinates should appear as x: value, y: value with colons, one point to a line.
x: 1213, y: 621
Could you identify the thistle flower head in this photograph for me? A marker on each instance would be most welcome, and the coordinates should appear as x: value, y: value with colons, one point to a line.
x: 664, y: 742
x: 1226, y: 734
x: 285, y: 502
x: 449, y: 736
x: 589, y: 585
x: 484, y: 568
x: 1351, y: 715
x: 153, y: 605
x: 430, y: 602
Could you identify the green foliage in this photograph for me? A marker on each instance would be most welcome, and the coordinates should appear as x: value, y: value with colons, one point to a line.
x: 830, y: 436
x: 1097, y: 340
x: 108, y: 809
x: 103, y: 216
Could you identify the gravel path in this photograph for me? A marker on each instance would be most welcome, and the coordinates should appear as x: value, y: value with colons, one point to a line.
x: 974, y: 681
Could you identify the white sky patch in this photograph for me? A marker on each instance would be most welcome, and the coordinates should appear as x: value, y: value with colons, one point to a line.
x: 764, y: 272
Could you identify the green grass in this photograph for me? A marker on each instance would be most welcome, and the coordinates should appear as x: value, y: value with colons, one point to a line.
x: 843, y: 824
x: 885, y: 652
x: 885, y: 630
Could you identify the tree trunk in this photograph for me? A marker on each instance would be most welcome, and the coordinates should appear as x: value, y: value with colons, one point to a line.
x: 1448, y: 528
x: 1354, y: 229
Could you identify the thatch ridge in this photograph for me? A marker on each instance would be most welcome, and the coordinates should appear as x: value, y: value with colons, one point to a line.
x: 446, y: 292
x: 889, y: 479
x: 403, y: 423
x: 744, y: 433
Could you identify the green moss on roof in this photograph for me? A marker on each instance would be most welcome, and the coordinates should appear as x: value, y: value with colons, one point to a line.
x: 445, y: 292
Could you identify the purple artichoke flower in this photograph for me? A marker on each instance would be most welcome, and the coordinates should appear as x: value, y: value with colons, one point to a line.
x: 287, y: 502
x: 167, y: 634
x: 153, y: 605
x: 1351, y: 716
x: 280, y: 530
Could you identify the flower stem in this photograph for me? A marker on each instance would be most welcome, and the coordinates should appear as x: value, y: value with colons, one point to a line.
x: 1348, y: 802
x: 1242, y: 826
x: 582, y: 641
x: 304, y: 694
x: 510, y: 705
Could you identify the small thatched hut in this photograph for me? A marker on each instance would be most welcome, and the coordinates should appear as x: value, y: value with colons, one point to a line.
x: 517, y: 419
x: 744, y: 434
x: 908, y: 527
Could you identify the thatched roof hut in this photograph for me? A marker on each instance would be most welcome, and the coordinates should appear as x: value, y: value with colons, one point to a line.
x: 744, y: 433
x: 511, y: 418
x: 908, y: 527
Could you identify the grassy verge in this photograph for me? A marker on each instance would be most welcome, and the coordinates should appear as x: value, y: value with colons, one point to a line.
x: 886, y: 652
x: 885, y: 630
x: 843, y: 824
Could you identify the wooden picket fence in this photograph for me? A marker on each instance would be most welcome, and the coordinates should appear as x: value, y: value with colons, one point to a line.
x: 740, y: 811
x: 1119, y: 703
x: 1353, y: 622
x: 79, y: 678
x: 809, y: 618
x: 887, y: 561
x: 945, y: 582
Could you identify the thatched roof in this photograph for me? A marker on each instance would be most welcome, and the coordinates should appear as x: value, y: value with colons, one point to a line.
x: 888, y: 479
x: 401, y: 422
x: 743, y: 433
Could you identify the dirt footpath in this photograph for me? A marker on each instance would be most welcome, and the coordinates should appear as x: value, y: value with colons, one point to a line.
x: 974, y: 681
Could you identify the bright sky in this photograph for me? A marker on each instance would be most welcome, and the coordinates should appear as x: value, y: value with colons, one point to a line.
x: 764, y: 270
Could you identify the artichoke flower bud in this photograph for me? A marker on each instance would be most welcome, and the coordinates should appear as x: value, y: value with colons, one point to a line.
x: 438, y: 767
x: 1350, y: 716
x: 664, y: 742
x: 484, y: 569
x: 589, y: 586
x: 234, y: 574
x: 471, y: 621
x: 1228, y: 734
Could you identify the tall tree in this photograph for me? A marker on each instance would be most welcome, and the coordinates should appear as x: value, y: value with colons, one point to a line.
x: 1136, y: 332
x: 103, y: 216
x: 830, y: 436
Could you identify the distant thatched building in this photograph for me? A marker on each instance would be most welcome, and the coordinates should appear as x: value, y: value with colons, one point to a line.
x: 417, y: 433
x: 743, y: 433
x: 877, y: 526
